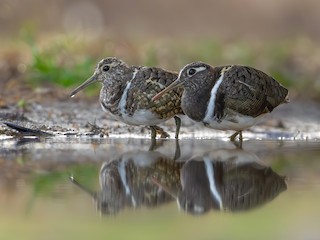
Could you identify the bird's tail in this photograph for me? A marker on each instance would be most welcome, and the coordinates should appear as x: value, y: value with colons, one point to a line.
x: 286, y: 100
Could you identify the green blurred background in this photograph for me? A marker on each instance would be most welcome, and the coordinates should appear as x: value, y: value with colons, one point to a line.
x: 49, y: 47
x: 58, y: 43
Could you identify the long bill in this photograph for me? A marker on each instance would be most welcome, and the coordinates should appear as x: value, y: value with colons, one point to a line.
x: 79, y: 185
x: 172, y: 86
x: 92, y: 79
x: 165, y: 188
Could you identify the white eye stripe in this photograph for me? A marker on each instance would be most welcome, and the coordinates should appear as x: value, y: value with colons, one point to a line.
x: 199, y: 69
x: 194, y: 70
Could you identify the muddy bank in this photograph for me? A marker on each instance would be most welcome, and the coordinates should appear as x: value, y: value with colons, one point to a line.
x: 81, y: 118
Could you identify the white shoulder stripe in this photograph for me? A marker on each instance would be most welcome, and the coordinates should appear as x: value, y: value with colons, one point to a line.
x: 134, y: 74
x: 211, y: 104
x: 213, y: 186
x: 123, y: 100
x: 123, y: 176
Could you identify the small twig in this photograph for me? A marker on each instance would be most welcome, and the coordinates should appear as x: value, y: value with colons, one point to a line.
x: 28, y: 131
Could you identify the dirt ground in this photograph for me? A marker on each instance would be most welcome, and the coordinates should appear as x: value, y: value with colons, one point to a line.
x: 52, y: 110
x: 49, y: 108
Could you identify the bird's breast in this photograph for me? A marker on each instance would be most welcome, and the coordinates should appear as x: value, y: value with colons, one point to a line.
x: 141, y: 117
x: 110, y: 100
x: 237, y: 122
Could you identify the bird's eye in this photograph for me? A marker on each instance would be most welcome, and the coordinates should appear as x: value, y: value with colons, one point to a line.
x: 105, y: 68
x: 191, y: 72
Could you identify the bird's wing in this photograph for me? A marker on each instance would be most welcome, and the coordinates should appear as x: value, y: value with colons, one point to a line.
x: 147, y: 83
x: 249, y: 91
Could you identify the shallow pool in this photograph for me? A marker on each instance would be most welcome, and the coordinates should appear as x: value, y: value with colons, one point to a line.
x: 81, y: 188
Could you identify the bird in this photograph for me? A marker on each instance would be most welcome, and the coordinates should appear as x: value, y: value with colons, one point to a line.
x: 127, y: 181
x: 127, y: 91
x: 231, y: 97
x: 224, y: 179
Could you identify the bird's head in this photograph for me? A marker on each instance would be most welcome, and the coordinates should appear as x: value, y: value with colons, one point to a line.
x: 192, y: 77
x: 109, y: 71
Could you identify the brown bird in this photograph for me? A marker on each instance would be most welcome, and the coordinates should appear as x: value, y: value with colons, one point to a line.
x: 127, y: 181
x: 127, y: 91
x: 226, y: 180
x: 227, y: 97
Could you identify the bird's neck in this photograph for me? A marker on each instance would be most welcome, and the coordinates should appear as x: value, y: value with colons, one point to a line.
x: 195, y: 99
x: 111, y: 94
x: 194, y: 104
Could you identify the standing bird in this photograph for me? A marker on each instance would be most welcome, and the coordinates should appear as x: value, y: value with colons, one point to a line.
x: 227, y: 97
x: 127, y: 91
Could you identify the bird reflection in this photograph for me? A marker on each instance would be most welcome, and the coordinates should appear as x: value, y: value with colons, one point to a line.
x: 127, y: 181
x: 223, y: 179
x: 227, y: 180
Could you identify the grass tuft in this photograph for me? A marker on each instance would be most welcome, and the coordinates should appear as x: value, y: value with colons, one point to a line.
x: 68, y: 61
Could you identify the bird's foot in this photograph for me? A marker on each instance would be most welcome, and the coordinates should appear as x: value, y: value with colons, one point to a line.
x: 178, y: 125
x: 159, y: 130
x: 238, y: 144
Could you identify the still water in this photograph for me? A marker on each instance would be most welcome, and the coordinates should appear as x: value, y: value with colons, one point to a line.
x: 81, y: 188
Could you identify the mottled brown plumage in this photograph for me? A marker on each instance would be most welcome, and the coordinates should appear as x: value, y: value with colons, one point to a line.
x: 129, y: 181
x: 251, y: 92
x: 227, y: 97
x: 227, y: 180
x: 127, y: 91
x: 151, y: 80
x: 221, y: 179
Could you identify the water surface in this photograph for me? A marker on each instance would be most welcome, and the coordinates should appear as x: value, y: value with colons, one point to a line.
x: 194, y: 189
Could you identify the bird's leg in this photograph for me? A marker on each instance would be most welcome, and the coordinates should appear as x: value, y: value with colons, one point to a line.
x: 233, y: 136
x: 240, y: 136
x: 153, y: 144
x: 157, y: 129
x: 238, y: 144
x: 177, y: 152
x: 178, y: 124
x: 153, y: 132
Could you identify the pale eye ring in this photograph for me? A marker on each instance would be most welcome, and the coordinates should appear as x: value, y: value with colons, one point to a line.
x: 105, y: 68
x: 191, y: 72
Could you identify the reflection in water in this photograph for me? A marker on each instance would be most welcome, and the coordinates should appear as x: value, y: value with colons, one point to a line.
x: 225, y: 180
x: 230, y: 180
x: 128, y: 181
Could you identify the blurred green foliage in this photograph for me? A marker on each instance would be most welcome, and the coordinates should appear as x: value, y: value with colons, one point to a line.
x: 44, y: 184
x: 67, y: 61
x: 47, y: 66
x: 59, y: 61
